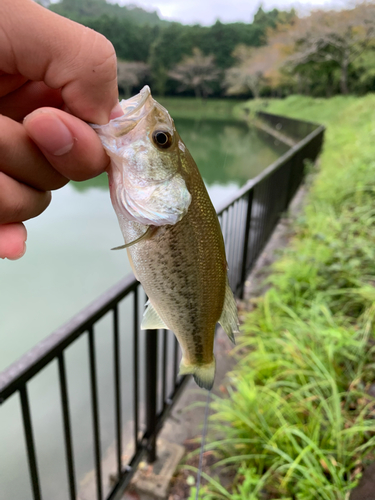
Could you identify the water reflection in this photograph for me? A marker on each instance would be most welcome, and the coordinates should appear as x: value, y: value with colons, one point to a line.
x: 227, y: 152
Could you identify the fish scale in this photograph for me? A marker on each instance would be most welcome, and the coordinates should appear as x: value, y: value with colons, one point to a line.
x: 171, y: 232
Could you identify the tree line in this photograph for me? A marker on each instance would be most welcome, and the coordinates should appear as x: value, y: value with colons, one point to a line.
x: 278, y: 53
x: 322, y: 54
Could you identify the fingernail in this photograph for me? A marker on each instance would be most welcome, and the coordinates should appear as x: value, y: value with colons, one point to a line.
x: 49, y: 132
x: 116, y: 112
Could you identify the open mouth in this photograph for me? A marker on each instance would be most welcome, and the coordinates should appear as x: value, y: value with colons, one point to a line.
x: 133, y: 105
x: 134, y: 110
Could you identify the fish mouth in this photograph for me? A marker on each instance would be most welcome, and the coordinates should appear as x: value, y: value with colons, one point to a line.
x: 134, y: 104
x: 135, y: 109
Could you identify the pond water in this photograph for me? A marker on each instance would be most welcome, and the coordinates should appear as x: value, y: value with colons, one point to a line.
x: 67, y: 265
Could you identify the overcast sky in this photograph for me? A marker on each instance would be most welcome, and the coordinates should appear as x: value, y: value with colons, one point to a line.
x: 208, y: 11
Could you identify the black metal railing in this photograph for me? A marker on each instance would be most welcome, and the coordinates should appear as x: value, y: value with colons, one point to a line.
x: 247, y: 221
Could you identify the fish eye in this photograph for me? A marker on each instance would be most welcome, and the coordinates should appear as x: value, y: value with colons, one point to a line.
x: 162, y: 138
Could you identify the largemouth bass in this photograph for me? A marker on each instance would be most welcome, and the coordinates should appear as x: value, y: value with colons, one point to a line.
x: 171, y: 231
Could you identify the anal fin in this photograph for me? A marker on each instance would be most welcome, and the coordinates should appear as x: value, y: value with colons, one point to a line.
x: 229, y: 317
x: 151, y: 319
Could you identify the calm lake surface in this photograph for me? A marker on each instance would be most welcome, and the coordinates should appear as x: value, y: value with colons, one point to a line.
x: 67, y: 265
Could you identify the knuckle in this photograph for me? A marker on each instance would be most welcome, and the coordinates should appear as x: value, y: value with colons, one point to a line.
x: 15, y: 209
x: 89, y: 77
x: 19, y: 202
x: 105, y: 56
x: 102, y: 55
x: 11, y: 210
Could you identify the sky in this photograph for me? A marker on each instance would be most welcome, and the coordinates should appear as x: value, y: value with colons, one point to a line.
x: 206, y: 12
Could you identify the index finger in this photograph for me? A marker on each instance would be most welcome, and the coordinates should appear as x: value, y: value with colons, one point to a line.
x: 44, y: 46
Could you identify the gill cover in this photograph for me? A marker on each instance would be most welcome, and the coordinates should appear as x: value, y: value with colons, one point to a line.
x: 145, y: 178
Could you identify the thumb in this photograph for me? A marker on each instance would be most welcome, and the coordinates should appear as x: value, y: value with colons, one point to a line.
x: 43, y: 46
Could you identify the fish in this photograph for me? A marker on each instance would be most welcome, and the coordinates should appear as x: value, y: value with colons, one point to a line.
x: 171, y: 232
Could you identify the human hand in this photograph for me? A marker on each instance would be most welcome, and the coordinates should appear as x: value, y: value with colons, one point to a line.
x: 55, y: 75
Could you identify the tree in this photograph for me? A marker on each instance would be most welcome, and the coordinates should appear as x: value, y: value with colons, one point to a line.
x: 176, y: 41
x: 333, y: 39
x: 131, y: 41
x: 196, y: 72
x: 92, y: 9
x: 247, y: 74
x: 261, y: 66
x: 266, y: 21
x: 130, y: 74
x: 364, y: 71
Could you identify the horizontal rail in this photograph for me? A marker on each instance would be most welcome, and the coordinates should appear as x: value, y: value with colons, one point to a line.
x: 45, y: 351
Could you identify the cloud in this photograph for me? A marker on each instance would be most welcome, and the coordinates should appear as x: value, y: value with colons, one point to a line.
x: 208, y: 11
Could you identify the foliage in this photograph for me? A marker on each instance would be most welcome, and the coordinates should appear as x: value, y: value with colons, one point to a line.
x: 271, y: 20
x: 132, y: 42
x: 130, y: 74
x: 196, y: 72
x: 259, y: 67
x: 363, y: 70
x: 176, y: 41
x: 138, y: 35
x: 93, y: 9
x: 248, y: 73
x: 333, y: 39
x: 321, y: 54
x: 299, y: 420
x: 278, y: 53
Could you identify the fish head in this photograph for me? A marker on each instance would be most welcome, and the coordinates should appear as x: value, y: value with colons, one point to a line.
x: 145, y: 178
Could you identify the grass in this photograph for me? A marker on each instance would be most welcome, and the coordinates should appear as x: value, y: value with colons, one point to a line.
x: 299, y: 423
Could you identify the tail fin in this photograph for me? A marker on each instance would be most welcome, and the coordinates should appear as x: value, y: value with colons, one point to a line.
x: 204, y: 375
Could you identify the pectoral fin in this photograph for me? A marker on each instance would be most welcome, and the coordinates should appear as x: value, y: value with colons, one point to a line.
x: 151, y: 319
x: 149, y: 232
x: 229, y: 318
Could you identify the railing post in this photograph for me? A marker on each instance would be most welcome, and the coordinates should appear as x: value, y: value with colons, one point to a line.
x: 151, y: 388
x: 246, y: 241
x: 30, y: 446
x: 95, y: 413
